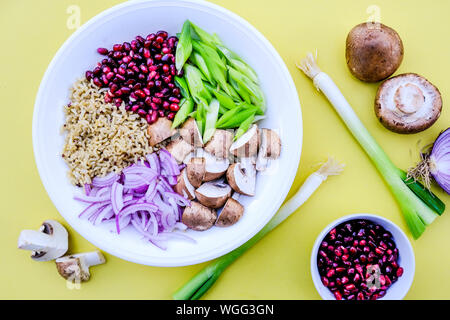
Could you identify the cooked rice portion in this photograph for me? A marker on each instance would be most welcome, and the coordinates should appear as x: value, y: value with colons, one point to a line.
x: 100, y: 137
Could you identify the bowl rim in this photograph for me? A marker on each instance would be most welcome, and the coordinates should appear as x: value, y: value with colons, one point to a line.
x: 408, y: 251
x: 295, y: 154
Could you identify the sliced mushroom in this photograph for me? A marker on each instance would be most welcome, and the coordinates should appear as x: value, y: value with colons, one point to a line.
x: 213, y: 194
x: 220, y: 143
x: 191, y: 134
x: 242, y: 178
x: 247, y: 144
x: 198, y: 217
x: 196, y: 170
x: 408, y: 103
x: 48, y: 243
x: 183, y: 186
x: 215, y: 168
x: 179, y: 149
x: 230, y: 214
x: 197, y: 153
x: 269, y: 148
x: 160, y: 131
x: 75, y: 267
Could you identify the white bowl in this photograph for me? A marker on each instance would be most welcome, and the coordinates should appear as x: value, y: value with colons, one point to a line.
x: 396, y: 291
x: 122, y: 23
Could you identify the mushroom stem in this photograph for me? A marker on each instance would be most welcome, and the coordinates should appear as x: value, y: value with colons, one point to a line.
x: 75, y: 267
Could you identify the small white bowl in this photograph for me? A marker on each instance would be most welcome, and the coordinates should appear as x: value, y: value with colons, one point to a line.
x: 396, y: 291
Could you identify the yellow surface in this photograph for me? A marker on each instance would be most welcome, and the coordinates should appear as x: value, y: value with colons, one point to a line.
x: 277, y: 267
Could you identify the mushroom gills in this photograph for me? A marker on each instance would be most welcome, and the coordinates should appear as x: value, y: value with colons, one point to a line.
x: 242, y: 178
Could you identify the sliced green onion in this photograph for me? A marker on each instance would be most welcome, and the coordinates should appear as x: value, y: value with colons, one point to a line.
x: 238, y: 63
x: 210, y: 39
x: 244, y: 82
x: 224, y: 99
x: 237, y: 118
x: 186, y: 107
x: 244, y: 126
x: 243, y: 94
x: 417, y: 214
x: 211, y: 119
x: 200, y: 63
x: 227, y: 116
x: 199, y: 92
x: 181, y: 83
x: 203, y: 280
x: 184, y: 47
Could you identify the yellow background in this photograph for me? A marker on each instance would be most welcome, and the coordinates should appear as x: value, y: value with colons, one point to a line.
x: 278, y: 266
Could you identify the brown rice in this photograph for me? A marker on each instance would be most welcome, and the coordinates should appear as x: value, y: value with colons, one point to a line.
x: 100, y: 138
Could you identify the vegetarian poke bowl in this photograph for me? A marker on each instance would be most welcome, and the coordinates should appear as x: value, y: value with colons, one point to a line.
x: 167, y: 141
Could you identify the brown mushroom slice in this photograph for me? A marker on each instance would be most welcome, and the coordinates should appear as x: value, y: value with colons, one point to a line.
x: 215, y: 168
x: 230, y: 214
x: 242, y: 178
x: 247, y: 144
x: 220, y: 143
x: 374, y: 51
x: 196, y: 170
x: 269, y: 148
x: 179, y: 149
x: 160, y: 131
x: 191, y: 134
x: 198, y: 217
x: 213, y: 194
x: 183, y: 186
x: 408, y: 103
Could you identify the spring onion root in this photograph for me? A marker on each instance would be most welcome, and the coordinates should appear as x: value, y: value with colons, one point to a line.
x: 200, y: 283
x: 416, y: 212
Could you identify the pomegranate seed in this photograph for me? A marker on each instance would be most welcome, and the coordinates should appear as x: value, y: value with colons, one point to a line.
x: 89, y: 75
x: 399, y: 272
x: 171, y: 115
x: 338, y: 295
x: 103, y: 51
x: 325, y: 281
x: 174, y: 107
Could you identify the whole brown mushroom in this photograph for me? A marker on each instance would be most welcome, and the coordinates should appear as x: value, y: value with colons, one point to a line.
x: 373, y: 51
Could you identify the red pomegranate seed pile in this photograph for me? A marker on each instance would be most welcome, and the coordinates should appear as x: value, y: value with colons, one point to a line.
x: 141, y: 74
x: 357, y: 260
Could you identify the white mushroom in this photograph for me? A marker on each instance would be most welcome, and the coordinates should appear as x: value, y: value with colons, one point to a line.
x: 242, y: 178
x: 49, y: 243
x: 247, y: 144
x: 213, y: 194
x: 183, y: 186
x: 215, y: 168
x: 220, y: 144
x: 269, y: 148
x: 198, y: 217
x: 179, y: 149
x: 75, y: 267
x: 160, y: 131
x: 230, y: 214
x: 191, y: 134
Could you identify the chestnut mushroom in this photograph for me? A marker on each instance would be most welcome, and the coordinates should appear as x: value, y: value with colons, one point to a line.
x: 160, y: 131
x: 199, y: 217
x: 213, y: 194
x: 231, y: 213
x: 220, y: 143
x: 408, y: 103
x: 373, y: 51
x: 247, y: 145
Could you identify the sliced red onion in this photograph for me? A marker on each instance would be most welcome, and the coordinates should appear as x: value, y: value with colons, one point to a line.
x: 439, y: 160
x: 105, y: 181
x: 141, y: 196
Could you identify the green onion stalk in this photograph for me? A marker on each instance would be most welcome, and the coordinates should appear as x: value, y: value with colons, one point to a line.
x: 419, y: 206
x: 200, y: 283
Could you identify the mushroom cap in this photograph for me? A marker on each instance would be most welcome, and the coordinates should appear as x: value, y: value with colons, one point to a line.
x: 242, y: 178
x: 195, y: 170
x: 215, y: 167
x: 220, y: 143
x: 191, y: 134
x: 179, y: 149
x: 373, y: 52
x: 230, y: 214
x: 247, y: 145
x: 407, y: 103
x: 160, y: 131
x: 213, y: 194
x: 198, y: 217
x: 183, y: 186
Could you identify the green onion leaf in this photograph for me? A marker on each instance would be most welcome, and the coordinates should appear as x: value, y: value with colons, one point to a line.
x: 199, y: 33
x: 211, y: 119
x: 244, y: 127
x: 186, y: 107
x: 181, y: 83
x: 200, y: 63
x: 225, y: 100
x: 237, y: 119
x: 184, y: 47
x: 199, y: 92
